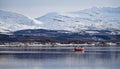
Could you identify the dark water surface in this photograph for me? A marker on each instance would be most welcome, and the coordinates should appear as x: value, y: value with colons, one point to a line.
x: 92, y: 58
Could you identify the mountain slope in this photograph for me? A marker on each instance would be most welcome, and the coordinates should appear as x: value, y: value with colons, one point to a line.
x: 10, y: 21
x: 88, y: 19
x: 67, y: 35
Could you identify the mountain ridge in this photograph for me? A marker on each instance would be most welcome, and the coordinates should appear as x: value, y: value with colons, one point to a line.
x: 93, y: 18
x: 14, y: 21
x: 88, y: 19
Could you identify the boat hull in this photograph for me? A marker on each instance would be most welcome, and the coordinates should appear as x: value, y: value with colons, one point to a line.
x: 79, y: 49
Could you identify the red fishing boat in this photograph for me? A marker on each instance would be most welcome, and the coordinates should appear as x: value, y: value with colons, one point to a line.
x: 78, y: 49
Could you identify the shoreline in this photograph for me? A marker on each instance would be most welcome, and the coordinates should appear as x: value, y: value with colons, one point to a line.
x: 62, y: 45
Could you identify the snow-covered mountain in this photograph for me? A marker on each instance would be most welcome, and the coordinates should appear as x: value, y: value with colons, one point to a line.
x: 88, y: 19
x: 10, y: 21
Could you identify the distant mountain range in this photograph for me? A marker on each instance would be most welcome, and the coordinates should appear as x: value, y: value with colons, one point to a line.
x: 88, y: 19
x: 89, y: 24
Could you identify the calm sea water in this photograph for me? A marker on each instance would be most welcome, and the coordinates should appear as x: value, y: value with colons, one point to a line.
x: 92, y: 58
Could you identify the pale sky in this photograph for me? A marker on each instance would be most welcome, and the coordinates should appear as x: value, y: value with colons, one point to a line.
x: 37, y: 8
